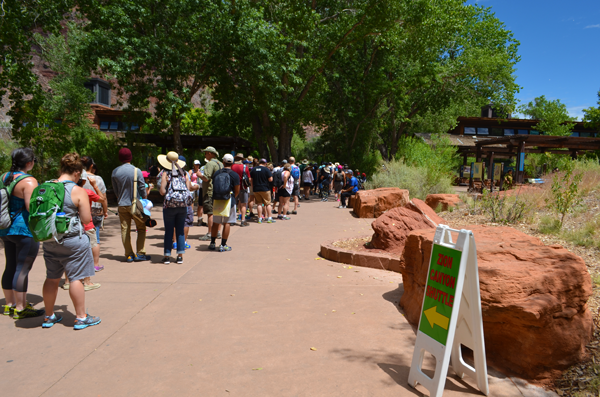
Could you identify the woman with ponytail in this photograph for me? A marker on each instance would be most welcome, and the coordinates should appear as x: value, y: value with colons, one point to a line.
x: 20, y: 249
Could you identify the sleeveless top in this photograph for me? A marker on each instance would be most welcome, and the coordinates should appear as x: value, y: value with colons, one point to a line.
x: 289, y: 186
x: 71, y: 211
x: 20, y: 224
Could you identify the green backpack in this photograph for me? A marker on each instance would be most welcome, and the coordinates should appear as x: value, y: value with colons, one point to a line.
x: 46, y: 202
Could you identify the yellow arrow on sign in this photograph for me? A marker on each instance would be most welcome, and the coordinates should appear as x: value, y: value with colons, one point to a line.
x: 436, y: 318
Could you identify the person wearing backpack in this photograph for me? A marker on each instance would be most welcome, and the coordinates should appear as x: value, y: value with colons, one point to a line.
x: 123, y: 182
x: 295, y: 171
x: 20, y: 249
x: 212, y: 166
x: 226, y: 186
x: 339, y: 181
x: 243, y: 171
x: 71, y: 254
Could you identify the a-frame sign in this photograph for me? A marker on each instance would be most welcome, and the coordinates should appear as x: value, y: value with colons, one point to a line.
x: 451, y: 314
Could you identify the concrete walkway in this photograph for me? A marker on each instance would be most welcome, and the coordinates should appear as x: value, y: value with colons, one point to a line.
x: 240, y: 323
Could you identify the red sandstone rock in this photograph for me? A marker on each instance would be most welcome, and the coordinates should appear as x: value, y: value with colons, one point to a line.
x: 533, y: 298
x: 372, y: 203
x: 392, y: 228
x: 445, y: 200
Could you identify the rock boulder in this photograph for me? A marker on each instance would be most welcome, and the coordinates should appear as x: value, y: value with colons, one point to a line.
x: 533, y: 298
x: 443, y: 200
x: 392, y: 228
x: 372, y: 203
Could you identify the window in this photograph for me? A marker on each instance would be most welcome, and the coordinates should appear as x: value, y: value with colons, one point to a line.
x: 523, y: 132
x: 134, y: 127
x: 114, y: 125
x: 482, y: 131
x: 496, y: 131
x: 534, y: 132
x: 469, y: 131
x: 101, y: 90
x: 104, y: 125
x: 508, y: 131
x: 585, y: 134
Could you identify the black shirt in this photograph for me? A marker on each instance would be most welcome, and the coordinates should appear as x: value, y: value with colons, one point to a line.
x: 260, y: 178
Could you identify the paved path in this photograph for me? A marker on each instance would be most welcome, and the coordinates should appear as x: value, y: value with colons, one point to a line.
x: 228, y: 324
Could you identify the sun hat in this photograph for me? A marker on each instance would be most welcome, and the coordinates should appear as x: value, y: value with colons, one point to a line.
x: 250, y: 158
x: 305, y: 161
x: 211, y: 150
x: 166, y: 160
x: 239, y: 156
x: 228, y: 158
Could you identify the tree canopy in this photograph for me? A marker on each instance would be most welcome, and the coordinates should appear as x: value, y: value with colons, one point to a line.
x: 553, y: 116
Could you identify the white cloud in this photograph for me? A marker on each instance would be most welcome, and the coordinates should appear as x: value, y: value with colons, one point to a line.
x: 576, y: 111
x: 593, y: 26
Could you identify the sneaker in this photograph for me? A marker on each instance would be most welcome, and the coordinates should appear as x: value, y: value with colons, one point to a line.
x: 295, y: 212
x: 239, y: 217
x: 212, y: 246
x: 341, y: 206
x: 86, y: 322
x: 285, y: 218
x: 205, y: 237
x: 271, y: 220
x: 174, y: 245
x: 179, y: 259
x: 27, y: 312
x: 141, y: 258
x: 260, y: 220
x: 65, y: 286
x: 98, y: 268
x: 49, y: 321
x: 344, y: 206
x: 288, y: 213
x: 89, y: 287
x: 129, y: 259
x: 224, y: 248
x: 166, y: 260
x: 8, y: 309
x: 187, y: 246
x: 243, y: 224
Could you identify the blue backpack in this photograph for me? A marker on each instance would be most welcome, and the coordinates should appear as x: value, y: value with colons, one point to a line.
x: 295, y: 173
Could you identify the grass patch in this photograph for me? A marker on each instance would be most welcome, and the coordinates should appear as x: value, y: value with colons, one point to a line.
x: 586, y: 234
x: 549, y: 225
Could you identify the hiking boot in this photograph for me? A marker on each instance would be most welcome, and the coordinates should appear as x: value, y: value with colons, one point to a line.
x: 86, y: 322
x: 27, y: 312
x: 141, y: 258
x: 212, y: 246
x: 166, y: 260
x: 224, y: 248
x: 49, y: 321
x: 179, y: 259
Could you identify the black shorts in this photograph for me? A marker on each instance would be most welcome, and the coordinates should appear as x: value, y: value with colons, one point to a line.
x: 307, y: 184
x: 296, y: 190
x: 283, y: 193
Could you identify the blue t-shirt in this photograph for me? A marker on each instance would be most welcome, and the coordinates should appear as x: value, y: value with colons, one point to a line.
x: 354, y: 184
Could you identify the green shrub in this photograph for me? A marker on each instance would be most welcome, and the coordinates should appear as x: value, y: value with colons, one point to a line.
x: 565, y: 193
x: 418, y: 180
x: 504, y: 208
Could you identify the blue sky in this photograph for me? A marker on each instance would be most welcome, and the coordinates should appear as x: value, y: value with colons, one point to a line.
x: 560, y: 48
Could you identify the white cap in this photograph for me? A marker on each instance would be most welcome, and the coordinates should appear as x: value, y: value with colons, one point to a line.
x: 228, y: 158
x: 196, y: 161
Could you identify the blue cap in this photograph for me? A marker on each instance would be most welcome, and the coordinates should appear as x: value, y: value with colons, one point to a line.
x: 182, y: 158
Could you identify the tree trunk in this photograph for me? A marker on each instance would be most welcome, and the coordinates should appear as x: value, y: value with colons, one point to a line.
x: 259, y: 136
x: 177, y: 136
x: 285, y: 141
x: 272, y: 149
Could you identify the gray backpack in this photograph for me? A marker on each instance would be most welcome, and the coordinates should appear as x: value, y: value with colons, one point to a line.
x: 5, y: 192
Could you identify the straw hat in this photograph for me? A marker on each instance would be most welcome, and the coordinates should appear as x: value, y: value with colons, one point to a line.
x: 166, y: 160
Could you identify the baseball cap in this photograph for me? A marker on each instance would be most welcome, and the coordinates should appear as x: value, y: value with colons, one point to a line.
x: 197, y: 162
x: 228, y: 158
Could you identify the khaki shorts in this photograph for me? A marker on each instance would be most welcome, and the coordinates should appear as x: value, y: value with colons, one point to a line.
x: 207, y: 205
x: 92, y: 235
x: 262, y: 198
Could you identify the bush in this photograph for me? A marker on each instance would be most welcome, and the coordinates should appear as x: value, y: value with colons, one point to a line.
x: 504, y: 208
x: 419, y: 181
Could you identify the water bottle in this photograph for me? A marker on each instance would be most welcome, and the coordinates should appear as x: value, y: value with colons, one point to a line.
x: 61, y: 222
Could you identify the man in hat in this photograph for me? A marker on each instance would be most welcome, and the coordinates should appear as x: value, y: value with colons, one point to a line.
x: 240, y: 168
x: 122, y: 182
x: 226, y: 221
x: 212, y: 166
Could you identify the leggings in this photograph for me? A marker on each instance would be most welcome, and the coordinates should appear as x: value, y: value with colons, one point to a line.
x: 20, y: 252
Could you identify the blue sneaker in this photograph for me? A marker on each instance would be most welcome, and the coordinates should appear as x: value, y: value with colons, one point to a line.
x: 86, y: 322
x: 224, y: 248
x: 49, y: 321
x: 129, y: 259
x: 141, y: 258
x: 174, y: 245
x: 187, y: 246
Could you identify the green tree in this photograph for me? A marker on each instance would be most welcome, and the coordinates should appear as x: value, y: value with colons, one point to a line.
x: 161, y: 53
x: 591, y: 116
x: 553, y: 116
x: 438, y: 56
x: 18, y: 21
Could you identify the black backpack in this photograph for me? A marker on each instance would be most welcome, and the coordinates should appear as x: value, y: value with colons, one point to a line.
x: 245, y: 178
x: 222, y: 185
x: 278, y: 178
